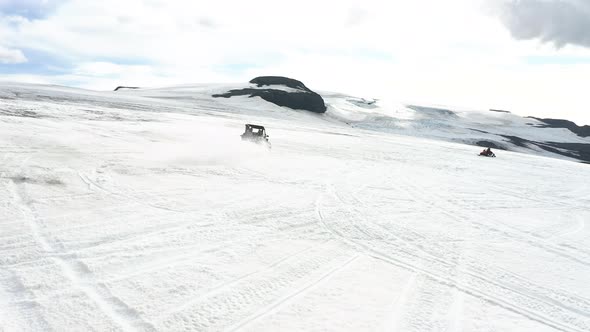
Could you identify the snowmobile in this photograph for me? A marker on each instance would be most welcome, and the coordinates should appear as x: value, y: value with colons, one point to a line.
x: 487, y: 153
x: 256, y: 134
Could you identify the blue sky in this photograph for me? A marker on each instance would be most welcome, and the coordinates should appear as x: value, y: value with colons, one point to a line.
x: 38, y: 63
x: 527, y: 56
x: 31, y: 9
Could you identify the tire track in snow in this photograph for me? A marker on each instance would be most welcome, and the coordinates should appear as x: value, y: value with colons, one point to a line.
x: 239, y: 299
x: 185, y: 257
x: 457, y: 307
x: 554, y: 301
x: 581, y: 224
x: 397, y: 308
x: 441, y: 203
x: 19, y: 306
x: 227, y: 284
x: 281, y: 302
x: 78, y: 273
x: 92, y: 184
x: 546, y: 295
x: 476, y: 285
x: 456, y: 264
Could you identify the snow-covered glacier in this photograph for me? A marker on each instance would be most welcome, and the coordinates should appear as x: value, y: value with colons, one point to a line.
x: 142, y: 210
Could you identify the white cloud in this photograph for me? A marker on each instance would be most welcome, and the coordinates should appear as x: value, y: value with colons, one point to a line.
x: 183, y: 31
x: 11, y: 56
x: 107, y: 69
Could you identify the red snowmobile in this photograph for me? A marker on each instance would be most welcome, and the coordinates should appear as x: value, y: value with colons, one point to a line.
x: 487, y: 153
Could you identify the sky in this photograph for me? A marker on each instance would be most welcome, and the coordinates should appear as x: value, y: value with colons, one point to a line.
x: 531, y: 57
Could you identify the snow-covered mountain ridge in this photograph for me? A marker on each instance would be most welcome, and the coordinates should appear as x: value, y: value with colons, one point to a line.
x: 496, y: 129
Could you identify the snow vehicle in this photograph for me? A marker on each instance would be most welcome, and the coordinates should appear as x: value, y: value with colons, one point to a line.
x: 487, y: 153
x: 256, y: 134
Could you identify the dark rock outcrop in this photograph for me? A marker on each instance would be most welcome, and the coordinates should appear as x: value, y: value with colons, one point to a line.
x: 583, y: 131
x: 279, y: 80
x: 580, y: 151
x: 490, y: 144
x: 126, y: 87
x: 301, y: 99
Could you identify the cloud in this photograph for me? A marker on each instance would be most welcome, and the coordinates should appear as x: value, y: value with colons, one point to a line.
x: 560, y: 22
x: 11, y: 56
x: 107, y: 69
x: 193, y: 34
x: 357, y: 16
x: 206, y: 22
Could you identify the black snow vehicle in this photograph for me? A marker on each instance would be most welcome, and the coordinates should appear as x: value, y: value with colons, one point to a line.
x: 487, y: 153
x: 256, y: 134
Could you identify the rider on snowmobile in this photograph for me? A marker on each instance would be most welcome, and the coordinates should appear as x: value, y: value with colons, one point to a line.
x: 487, y: 152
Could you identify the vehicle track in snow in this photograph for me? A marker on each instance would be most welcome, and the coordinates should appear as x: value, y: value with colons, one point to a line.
x: 420, y: 299
x: 185, y: 255
x: 400, y: 307
x: 282, y: 301
x: 466, y: 216
x: 19, y: 308
x: 475, y: 282
x: 571, y: 306
x: 78, y: 274
x: 92, y: 184
x: 234, y: 301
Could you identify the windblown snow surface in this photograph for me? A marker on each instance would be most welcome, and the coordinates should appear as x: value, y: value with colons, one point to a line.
x: 142, y: 210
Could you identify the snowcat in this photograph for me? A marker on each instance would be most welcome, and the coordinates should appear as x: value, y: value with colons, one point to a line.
x: 256, y: 134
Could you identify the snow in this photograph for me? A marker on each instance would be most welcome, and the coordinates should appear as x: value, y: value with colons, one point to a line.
x: 141, y: 210
x: 460, y: 126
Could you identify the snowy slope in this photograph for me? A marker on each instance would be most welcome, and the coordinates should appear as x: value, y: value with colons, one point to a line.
x: 496, y: 128
x: 141, y: 210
